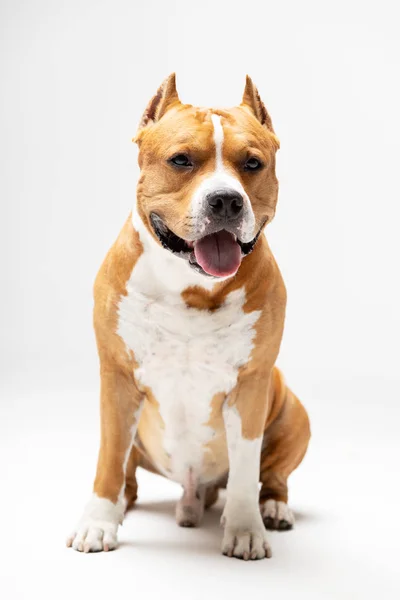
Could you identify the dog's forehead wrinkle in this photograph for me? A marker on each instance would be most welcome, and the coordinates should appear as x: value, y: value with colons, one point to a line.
x: 184, y: 136
x: 192, y: 124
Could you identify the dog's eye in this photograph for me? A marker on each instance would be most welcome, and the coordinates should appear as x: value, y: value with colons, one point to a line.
x: 252, y: 164
x: 181, y: 160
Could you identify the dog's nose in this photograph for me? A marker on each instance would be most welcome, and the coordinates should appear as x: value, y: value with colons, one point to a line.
x: 225, y: 204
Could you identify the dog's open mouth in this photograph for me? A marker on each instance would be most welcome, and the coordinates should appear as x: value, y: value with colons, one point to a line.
x: 218, y: 254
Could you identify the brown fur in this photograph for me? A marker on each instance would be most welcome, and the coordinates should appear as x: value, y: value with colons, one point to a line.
x: 266, y: 406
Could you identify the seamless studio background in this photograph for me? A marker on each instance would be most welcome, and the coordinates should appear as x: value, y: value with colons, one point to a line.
x: 75, y: 77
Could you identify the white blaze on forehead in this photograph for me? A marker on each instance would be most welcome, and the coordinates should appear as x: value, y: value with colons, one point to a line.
x: 218, y: 139
x: 221, y: 179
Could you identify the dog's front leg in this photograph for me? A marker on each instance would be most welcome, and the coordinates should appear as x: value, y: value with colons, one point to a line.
x: 244, y: 417
x: 120, y: 409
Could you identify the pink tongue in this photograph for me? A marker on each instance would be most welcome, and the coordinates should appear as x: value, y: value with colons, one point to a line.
x: 218, y: 254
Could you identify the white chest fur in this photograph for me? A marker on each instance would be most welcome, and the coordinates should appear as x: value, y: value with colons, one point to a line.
x: 184, y: 355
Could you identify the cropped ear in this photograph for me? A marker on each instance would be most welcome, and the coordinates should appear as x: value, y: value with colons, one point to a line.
x: 165, y: 97
x: 251, y: 99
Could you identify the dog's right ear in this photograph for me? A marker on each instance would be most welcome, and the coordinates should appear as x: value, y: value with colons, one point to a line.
x: 165, y: 97
x: 251, y: 99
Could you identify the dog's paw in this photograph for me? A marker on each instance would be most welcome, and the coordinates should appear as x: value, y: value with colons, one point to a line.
x: 244, y: 534
x: 97, y: 529
x: 190, y: 509
x: 188, y: 515
x: 246, y: 544
x: 94, y: 536
x: 277, y: 515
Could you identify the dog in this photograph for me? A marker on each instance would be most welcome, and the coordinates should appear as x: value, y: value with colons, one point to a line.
x: 189, y: 314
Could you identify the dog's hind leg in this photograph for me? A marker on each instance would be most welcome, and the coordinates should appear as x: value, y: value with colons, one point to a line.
x: 131, y: 486
x: 284, y: 446
x: 211, y: 497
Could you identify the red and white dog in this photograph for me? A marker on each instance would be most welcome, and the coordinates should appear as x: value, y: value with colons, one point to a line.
x: 189, y: 313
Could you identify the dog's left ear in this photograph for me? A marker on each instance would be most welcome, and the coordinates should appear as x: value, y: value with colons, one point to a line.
x: 165, y: 97
x: 251, y: 99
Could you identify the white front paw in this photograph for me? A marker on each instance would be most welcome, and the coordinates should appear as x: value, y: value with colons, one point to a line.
x: 244, y: 535
x: 97, y: 529
x: 94, y: 536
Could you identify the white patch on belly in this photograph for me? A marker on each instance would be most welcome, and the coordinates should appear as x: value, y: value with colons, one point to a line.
x: 184, y: 355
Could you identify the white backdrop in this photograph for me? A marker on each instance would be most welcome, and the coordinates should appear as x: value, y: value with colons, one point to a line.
x: 75, y: 77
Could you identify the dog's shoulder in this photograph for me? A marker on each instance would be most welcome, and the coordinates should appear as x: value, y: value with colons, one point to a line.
x: 119, y: 262
x: 110, y: 284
